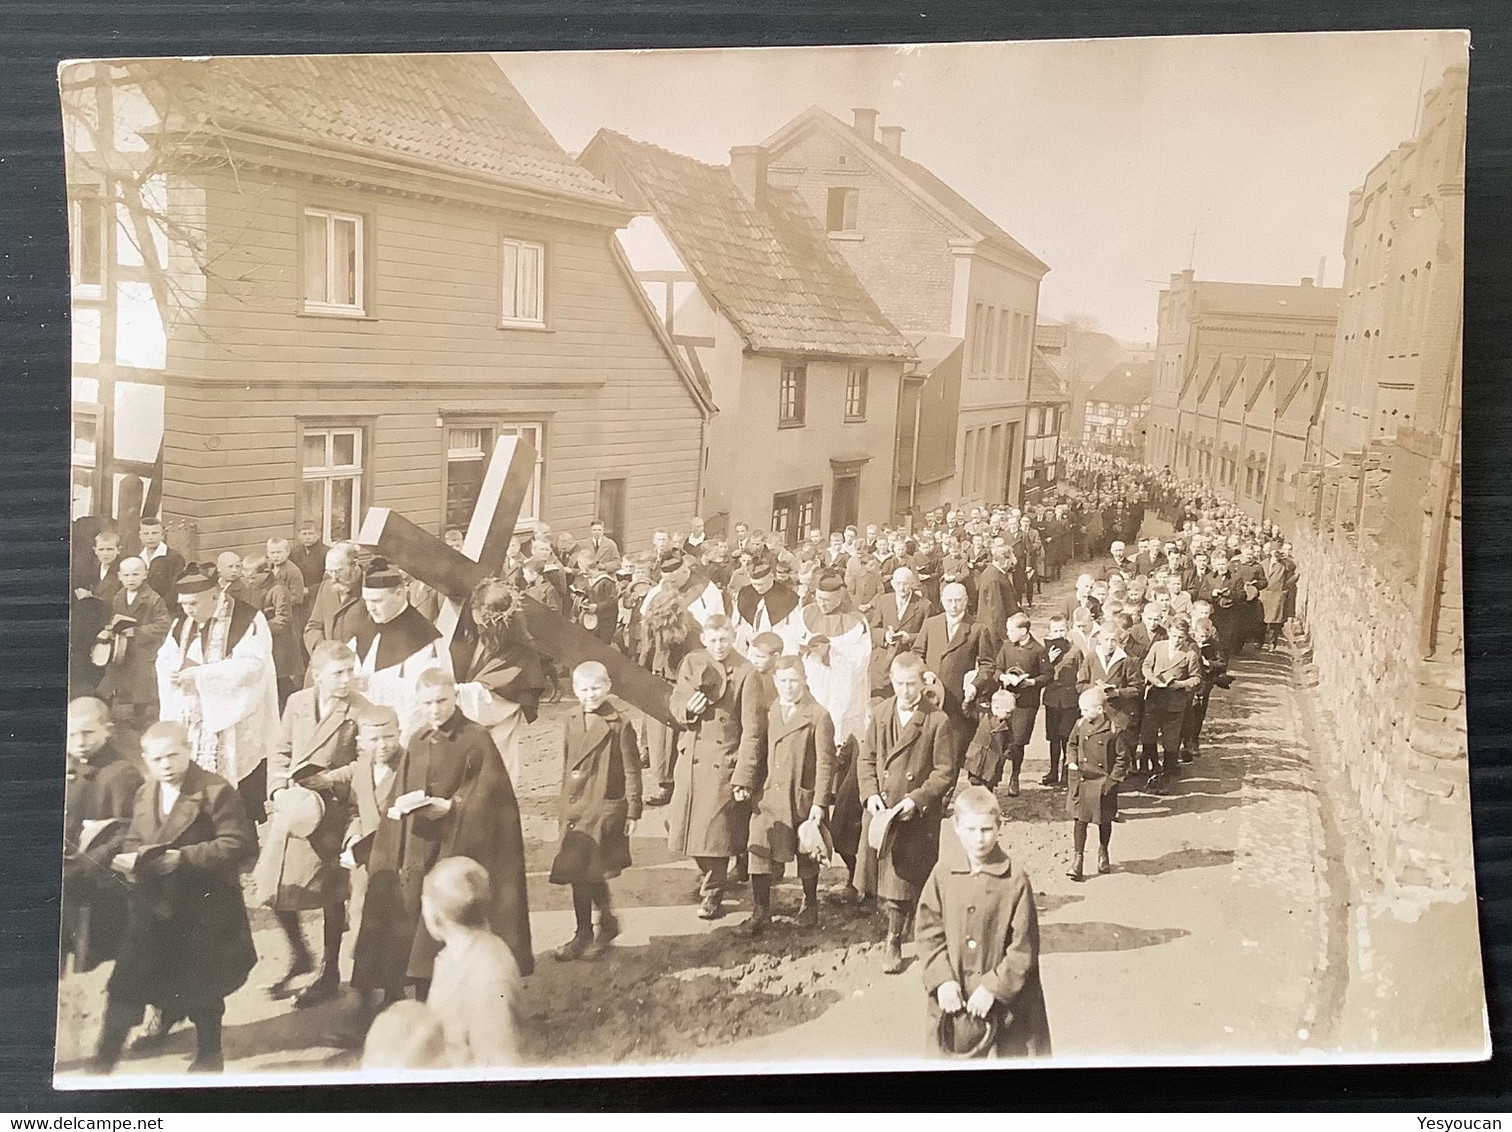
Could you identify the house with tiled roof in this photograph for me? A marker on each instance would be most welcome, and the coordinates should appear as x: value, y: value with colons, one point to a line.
x: 936, y: 264
x: 805, y: 370
x: 1240, y: 371
x: 1114, y: 418
x: 337, y: 282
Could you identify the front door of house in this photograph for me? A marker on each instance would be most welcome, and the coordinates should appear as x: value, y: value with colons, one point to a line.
x: 845, y: 507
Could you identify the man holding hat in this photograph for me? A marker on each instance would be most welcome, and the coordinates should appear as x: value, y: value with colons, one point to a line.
x: 299, y: 869
x: 396, y: 644
x: 215, y: 675
x: 766, y: 606
x: 718, y: 699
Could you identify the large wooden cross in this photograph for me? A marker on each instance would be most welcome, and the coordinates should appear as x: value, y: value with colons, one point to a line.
x: 454, y: 575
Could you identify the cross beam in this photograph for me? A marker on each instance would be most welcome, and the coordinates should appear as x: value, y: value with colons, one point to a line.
x: 455, y: 574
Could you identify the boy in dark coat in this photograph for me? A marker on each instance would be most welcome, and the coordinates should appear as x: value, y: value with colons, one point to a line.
x: 1097, y: 759
x: 978, y: 934
x: 600, y: 804
x: 1022, y: 667
x: 188, y: 943
x: 130, y: 683
x: 1059, y: 696
x: 788, y: 779
x: 97, y: 807
x: 905, y: 768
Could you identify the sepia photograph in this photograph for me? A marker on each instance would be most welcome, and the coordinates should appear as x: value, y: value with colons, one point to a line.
x: 766, y: 560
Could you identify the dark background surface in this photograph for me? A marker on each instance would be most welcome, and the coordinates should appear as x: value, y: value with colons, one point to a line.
x: 34, y: 472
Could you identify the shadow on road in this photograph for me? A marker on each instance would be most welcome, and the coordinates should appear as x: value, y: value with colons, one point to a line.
x: 1179, y: 859
x: 1058, y: 939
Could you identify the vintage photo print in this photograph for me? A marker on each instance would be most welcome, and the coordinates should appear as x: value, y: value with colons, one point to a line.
x: 767, y: 560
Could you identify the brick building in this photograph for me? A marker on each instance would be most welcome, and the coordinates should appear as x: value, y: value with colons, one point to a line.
x: 805, y: 369
x: 1378, y: 538
x: 1240, y: 370
x: 936, y: 265
x: 333, y: 283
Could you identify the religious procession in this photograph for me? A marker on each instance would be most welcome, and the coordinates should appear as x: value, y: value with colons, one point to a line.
x: 311, y: 732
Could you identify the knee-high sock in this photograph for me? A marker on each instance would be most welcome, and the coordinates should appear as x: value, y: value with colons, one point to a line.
x: 1079, y: 836
x: 207, y: 1029
x: 1104, y: 833
x: 582, y: 908
x: 761, y: 891
x: 289, y: 922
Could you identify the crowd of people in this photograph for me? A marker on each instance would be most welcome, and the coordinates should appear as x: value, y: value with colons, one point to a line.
x: 306, y: 716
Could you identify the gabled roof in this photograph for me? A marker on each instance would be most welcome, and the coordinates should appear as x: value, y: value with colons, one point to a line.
x: 1045, y: 381
x: 1231, y: 369
x: 457, y: 112
x: 935, y: 350
x: 769, y: 269
x: 1257, y: 377
x: 1128, y: 383
x: 1290, y: 374
x: 964, y: 215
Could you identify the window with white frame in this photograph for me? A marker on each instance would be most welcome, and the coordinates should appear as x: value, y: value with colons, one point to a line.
x: 524, y: 279
x: 856, y: 378
x: 469, y: 444
x: 333, y: 255
x: 331, y: 480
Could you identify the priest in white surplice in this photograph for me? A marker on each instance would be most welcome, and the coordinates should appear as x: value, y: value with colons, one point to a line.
x: 215, y: 675
x: 836, y: 645
x: 766, y: 606
x: 394, y: 644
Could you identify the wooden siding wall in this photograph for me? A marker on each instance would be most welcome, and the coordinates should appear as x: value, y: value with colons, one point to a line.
x: 612, y: 402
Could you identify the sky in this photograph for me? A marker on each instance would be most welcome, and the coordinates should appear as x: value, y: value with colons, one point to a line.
x: 1103, y: 157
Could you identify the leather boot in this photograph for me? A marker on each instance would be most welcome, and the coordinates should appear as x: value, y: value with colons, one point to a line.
x: 1104, y: 866
x: 1075, y: 871
x: 894, y: 963
x: 326, y: 987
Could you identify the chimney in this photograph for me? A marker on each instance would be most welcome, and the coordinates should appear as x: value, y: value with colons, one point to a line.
x: 748, y: 168
x: 866, y: 123
x: 891, y: 138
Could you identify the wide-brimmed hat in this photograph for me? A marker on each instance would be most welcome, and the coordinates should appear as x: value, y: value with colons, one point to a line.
x: 814, y: 841
x: 881, y: 825
x: 300, y: 808
x: 702, y: 673
x: 964, y: 1035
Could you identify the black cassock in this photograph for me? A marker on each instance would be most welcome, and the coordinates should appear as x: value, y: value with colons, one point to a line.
x: 458, y: 761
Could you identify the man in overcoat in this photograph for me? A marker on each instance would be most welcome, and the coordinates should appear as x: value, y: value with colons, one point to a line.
x: 296, y: 873
x: 717, y: 699
x: 905, y: 766
x: 788, y: 779
x: 953, y: 645
x: 896, y: 619
x: 997, y: 600
x: 467, y: 808
x: 188, y: 943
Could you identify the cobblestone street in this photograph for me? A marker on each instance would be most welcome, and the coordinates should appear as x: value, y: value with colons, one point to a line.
x: 1211, y: 935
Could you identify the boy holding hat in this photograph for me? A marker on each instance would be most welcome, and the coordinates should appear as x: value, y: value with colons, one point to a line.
x: 978, y: 938
x: 298, y: 868
x: 787, y: 780
x: 599, y: 806
x: 904, y: 770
